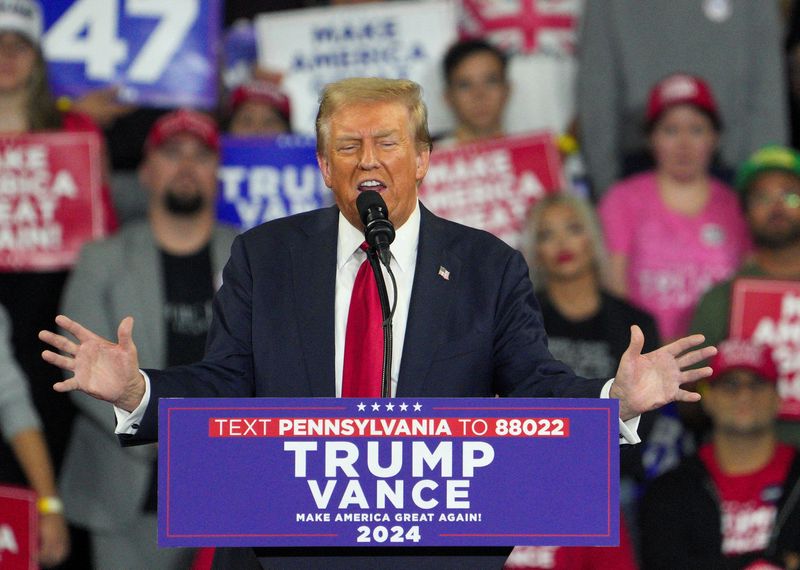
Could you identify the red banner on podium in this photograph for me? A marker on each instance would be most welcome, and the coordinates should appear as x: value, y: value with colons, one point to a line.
x: 50, y: 199
x: 768, y: 312
x: 492, y: 185
x: 18, y: 530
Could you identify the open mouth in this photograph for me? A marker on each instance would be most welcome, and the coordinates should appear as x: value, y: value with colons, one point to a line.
x: 372, y: 184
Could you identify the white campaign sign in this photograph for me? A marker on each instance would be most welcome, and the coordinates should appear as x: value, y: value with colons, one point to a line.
x: 315, y: 46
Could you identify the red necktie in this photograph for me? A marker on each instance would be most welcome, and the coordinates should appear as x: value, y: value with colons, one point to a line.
x: 363, y: 341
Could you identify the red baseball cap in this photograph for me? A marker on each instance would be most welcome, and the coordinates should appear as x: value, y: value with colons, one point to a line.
x: 738, y: 354
x: 183, y: 121
x: 262, y: 92
x: 680, y: 89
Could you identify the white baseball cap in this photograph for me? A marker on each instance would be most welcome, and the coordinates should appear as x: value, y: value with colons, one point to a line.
x: 23, y: 17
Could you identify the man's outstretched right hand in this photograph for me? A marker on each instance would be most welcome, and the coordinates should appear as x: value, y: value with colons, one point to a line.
x: 105, y: 370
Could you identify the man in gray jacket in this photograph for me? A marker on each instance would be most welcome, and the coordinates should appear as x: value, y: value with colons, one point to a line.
x: 163, y: 271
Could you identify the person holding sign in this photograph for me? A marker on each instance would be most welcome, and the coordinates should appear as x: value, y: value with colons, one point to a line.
x: 164, y: 270
x: 769, y: 188
x: 466, y: 321
x: 20, y: 425
x: 31, y: 295
x: 735, y: 503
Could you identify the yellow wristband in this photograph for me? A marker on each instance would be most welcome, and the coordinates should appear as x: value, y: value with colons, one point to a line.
x: 567, y: 144
x: 49, y: 506
x: 64, y: 104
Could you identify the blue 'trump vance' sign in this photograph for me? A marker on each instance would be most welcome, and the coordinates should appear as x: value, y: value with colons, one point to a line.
x: 388, y: 472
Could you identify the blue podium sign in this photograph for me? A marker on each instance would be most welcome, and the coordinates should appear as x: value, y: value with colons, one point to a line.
x: 388, y: 472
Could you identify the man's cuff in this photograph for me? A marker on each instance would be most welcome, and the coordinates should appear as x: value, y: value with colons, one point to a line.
x: 128, y: 422
x: 627, y: 429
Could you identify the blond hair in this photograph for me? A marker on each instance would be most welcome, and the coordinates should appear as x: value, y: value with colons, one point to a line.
x: 373, y: 90
x: 588, y: 218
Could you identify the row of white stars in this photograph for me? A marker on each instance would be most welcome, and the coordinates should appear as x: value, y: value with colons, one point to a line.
x: 376, y: 407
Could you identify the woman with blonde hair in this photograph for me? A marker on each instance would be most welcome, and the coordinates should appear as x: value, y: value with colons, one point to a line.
x: 588, y: 328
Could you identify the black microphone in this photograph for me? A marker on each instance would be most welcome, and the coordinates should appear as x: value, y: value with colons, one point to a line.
x: 378, y: 230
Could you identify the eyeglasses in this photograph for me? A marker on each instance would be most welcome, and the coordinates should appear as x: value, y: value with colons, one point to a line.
x: 789, y: 198
x: 735, y: 385
x: 14, y: 46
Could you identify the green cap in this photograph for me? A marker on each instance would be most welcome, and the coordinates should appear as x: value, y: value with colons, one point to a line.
x: 772, y: 157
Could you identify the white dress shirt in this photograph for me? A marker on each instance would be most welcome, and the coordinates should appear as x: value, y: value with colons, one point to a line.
x: 349, y: 257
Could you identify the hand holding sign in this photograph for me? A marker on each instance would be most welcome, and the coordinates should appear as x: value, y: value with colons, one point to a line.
x: 103, y: 106
x: 105, y: 370
x: 54, y: 540
x: 645, y: 382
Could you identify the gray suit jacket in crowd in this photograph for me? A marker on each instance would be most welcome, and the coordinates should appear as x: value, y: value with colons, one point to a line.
x: 104, y: 485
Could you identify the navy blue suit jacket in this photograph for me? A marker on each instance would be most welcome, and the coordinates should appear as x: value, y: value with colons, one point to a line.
x: 476, y: 334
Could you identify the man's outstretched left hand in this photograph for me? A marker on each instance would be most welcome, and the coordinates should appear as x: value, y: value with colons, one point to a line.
x: 645, y: 382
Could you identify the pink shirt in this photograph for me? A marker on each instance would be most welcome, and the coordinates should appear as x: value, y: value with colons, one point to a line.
x: 672, y: 258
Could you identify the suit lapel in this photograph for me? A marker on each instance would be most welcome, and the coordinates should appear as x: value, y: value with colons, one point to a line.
x: 314, y: 277
x: 435, y: 281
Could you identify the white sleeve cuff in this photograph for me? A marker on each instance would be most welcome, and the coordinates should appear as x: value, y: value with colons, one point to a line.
x: 128, y: 422
x: 627, y: 429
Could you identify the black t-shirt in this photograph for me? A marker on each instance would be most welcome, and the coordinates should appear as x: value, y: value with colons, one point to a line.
x: 593, y: 347
x: 188, y: 288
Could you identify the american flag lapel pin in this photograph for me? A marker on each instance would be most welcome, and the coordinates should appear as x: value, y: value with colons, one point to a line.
x: 444, y: 273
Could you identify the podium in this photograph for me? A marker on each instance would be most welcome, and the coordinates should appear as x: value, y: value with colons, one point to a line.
x: 419, y: 475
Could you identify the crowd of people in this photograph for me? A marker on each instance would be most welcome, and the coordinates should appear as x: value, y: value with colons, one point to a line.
x: 681, y: 114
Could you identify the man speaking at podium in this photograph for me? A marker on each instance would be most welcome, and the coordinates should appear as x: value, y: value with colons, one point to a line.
x: 294, y: 316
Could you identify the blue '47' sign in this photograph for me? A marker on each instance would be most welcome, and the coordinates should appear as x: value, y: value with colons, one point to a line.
x: 160, y: 53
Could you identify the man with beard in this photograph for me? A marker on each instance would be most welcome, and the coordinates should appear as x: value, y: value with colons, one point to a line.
x: 735, y: 503
x: 164, y: 271
x: 769, y: 187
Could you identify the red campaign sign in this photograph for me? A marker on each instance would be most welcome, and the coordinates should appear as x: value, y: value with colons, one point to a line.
x: 521, y: 25
x: 18, y: 530
x: 768, y: 312
x: 50, y: 199
x: 492, y: 185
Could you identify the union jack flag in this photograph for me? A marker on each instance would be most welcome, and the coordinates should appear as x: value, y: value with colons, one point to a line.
x: 523, y: 26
